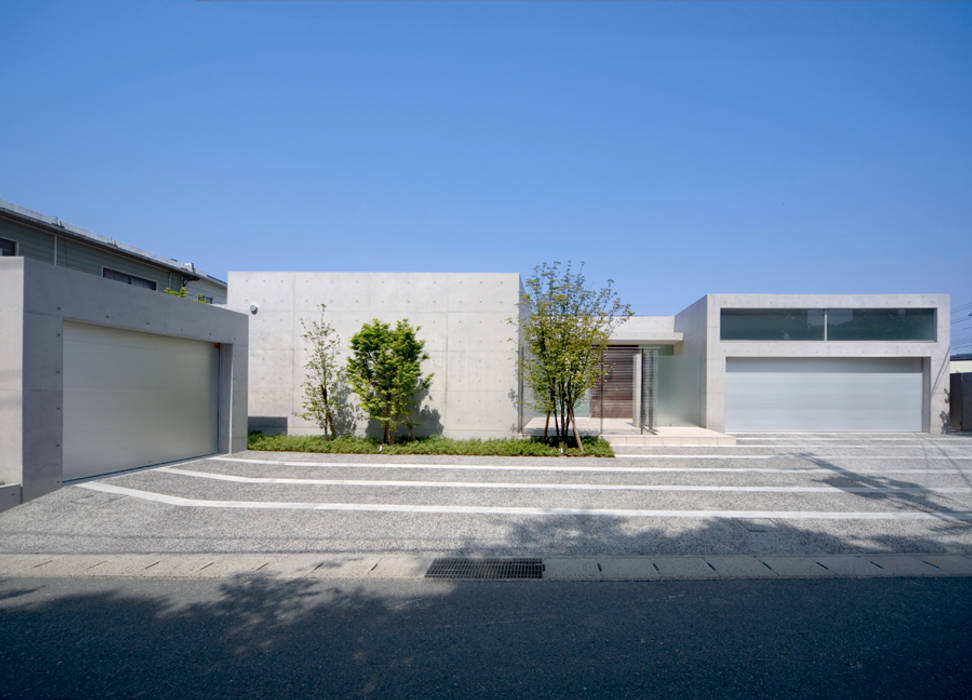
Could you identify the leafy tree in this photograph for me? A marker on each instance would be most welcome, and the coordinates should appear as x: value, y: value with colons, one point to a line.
x: 325, y: 384
x: 565, y: 329
x: 385, y: 370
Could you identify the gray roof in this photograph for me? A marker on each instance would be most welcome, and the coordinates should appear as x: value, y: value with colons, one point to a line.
x: 55, y: 225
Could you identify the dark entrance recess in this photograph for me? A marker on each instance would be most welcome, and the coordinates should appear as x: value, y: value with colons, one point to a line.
x: 616, y: 386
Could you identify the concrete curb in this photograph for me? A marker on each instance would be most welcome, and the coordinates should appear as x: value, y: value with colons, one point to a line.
x: 557, y: 568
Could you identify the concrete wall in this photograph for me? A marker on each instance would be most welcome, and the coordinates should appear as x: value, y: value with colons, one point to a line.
x: 934, y: 354
x: 960, y: 366
x: 465, y: 323
x: 38, y: 298
x: 643, y: 330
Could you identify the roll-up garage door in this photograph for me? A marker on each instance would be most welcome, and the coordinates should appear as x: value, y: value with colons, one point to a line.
x: 823, y: 394
x: 135, y: 399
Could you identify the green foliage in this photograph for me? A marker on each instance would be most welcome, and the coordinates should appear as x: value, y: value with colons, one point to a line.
x: 326, y: 395
x: 385, y: 371
x: 183, y: 294
x: 565, y: 329
x: 434, y: 445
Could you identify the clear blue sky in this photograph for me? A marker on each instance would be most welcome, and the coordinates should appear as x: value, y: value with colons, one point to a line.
x: 677, y: 148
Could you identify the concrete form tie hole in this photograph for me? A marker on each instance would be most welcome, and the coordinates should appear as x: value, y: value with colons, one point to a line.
x: 822, y: 566
x: 709, y: 565
x: 936, y: 566
x: 876, y: 564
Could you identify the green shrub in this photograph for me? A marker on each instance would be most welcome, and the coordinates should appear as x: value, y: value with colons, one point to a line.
x: 434, y: 445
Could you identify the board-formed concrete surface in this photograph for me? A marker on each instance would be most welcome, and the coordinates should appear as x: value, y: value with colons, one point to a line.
x: 775, y: 505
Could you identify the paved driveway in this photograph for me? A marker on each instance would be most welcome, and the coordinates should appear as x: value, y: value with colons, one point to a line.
x: 772, y: 493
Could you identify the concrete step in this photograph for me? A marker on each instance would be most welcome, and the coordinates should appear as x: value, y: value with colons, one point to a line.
x: 672, y: 437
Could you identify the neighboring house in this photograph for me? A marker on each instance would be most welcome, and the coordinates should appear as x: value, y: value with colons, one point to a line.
x: 736, y: 363
x: 961, y: 363
x: 48, y: 239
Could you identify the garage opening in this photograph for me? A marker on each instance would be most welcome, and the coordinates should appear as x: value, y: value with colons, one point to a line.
x: 135, y: 399
x: 824, y: 394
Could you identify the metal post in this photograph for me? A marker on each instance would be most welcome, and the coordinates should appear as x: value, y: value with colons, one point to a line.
x: 601, y: 401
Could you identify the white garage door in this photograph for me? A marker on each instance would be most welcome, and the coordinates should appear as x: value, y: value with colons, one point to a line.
x: 823, y: 394
x: 134, y: 399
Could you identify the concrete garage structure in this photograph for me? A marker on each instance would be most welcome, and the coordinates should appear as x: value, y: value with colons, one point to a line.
x: 96, y: 378
x: 465, y: 322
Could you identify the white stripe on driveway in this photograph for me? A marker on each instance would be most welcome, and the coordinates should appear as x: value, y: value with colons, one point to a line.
x: 784, y: 455
x: 552, y: 487
x: 569, y: 469
x: 511, y: 510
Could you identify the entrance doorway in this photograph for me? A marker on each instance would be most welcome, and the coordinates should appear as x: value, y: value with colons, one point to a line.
x: 616, y: 389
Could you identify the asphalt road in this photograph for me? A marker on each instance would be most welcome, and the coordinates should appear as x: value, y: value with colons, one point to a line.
x: 770, y: 494
x: 254, y: 637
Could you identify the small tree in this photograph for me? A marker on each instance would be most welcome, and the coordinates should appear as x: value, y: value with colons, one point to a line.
x: 565, y: 330
x: 324, y: 384
x: 183, y: 294
x: 385, y: 370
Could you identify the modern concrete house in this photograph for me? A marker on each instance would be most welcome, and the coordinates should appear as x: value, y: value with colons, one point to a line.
x: 760, y: 362
x: 93, y: 381
x: 727, y: 363
x: 37, y: 236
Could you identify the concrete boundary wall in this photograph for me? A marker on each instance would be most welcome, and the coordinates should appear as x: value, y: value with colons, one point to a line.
x: 37, y: 299
x: 465, y: 322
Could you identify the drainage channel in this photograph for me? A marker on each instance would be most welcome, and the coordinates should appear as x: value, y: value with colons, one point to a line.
x: 472, y: 568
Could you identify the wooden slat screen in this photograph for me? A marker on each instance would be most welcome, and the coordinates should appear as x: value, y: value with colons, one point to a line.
x: 618, y: 378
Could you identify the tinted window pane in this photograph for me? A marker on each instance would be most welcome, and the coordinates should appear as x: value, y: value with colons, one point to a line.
x: 7, y: 247
x: 110, y: 274
x: 772, y: 324
x: 881, y: 324
x: 139, y: 282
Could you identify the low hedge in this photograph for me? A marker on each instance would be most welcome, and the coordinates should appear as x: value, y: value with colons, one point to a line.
x: 434, y: 445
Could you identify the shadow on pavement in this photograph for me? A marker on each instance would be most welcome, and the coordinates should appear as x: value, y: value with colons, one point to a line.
x: 261, y: 637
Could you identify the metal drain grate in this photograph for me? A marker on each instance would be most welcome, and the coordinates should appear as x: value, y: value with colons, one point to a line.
x: 460, y: 567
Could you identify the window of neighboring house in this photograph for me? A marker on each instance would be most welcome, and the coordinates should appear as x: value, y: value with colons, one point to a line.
x: 110, y: 274
x: 8, y: 247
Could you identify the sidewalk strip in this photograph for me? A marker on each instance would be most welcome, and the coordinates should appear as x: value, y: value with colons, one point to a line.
x: 511, y: 510
x: 579, y: 469
x: 555, y: 486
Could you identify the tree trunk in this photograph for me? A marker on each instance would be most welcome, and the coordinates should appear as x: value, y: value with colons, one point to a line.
x: 384, y: 438
x: 546, y: 427
x: 328, y: 418
x: 573, y: 420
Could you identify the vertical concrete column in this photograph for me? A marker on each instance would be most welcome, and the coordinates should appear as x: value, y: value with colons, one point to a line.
x: 636, y: 388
